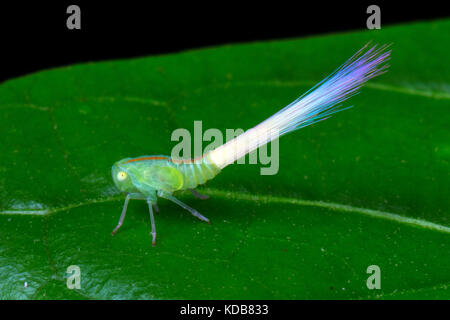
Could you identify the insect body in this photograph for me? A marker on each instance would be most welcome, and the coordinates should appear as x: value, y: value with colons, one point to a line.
x: 149, y: 177
x: 148, y: 174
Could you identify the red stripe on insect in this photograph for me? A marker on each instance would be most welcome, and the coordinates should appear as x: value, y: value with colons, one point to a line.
x: 147, y: 158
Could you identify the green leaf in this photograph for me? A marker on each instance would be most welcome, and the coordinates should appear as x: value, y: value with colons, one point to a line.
x: 369, y: 186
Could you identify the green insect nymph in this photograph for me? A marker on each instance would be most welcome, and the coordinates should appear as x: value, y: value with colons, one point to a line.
x: 149, y: 177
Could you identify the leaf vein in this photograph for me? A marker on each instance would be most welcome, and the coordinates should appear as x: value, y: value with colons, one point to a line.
x: 438, y: 95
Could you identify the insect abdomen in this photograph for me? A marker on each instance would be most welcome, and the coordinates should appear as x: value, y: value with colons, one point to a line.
x: 196, y: 172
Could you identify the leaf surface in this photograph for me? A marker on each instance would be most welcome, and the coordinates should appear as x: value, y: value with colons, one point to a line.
x: 370, y: 186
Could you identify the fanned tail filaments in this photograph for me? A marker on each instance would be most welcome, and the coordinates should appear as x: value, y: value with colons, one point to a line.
x: 317, y: 104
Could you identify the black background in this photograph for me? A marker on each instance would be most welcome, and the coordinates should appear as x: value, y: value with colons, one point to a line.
x: 278, y: 309
x: 34, y: 35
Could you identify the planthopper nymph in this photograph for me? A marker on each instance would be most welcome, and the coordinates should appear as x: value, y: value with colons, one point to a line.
x: 150, y: 177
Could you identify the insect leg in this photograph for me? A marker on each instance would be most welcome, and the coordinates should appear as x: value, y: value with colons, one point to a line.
x: 152, y: 220
x: 181, y: 204
x: 198, y: 194
x: 122, y: 216
x: 155, y: 206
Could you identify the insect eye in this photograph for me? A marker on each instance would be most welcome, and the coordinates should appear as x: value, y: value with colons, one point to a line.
x: 121, y: 176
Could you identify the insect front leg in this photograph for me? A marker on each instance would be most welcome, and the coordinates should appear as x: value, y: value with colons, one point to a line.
x: 122, y: 216
x: 194, y: 212
x: 124, y: 209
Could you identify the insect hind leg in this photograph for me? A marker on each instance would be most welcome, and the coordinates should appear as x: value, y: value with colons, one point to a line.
x: 198, y: 194
x: 183, y: 205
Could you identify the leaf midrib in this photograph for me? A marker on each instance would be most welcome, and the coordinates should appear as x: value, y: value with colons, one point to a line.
x: 225, y: 194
